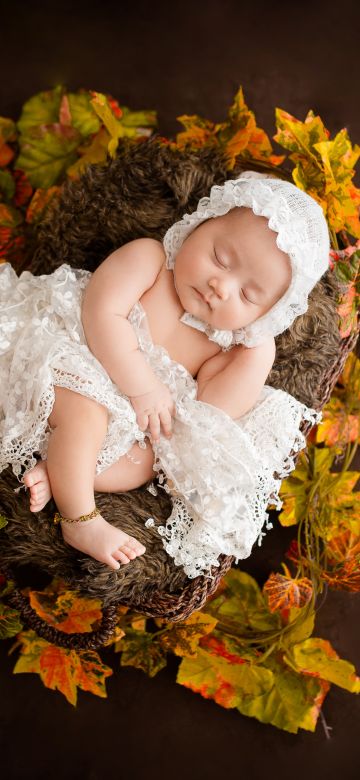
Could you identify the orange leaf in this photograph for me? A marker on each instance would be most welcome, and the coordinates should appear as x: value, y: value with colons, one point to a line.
x: 39, y: 202
x: 65, y: 610
x: 285, y: 592
x: 23, y: 190
x: 337, y: 428
x: 6, y: 154
x: 61, y: 669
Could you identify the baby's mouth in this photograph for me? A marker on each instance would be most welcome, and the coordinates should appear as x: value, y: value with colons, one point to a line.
x: 202, y: 297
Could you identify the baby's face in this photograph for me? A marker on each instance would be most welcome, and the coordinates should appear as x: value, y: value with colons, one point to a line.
x: 230, y: 271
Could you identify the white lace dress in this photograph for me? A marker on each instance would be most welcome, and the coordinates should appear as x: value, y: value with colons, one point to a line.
x: 219, y: 472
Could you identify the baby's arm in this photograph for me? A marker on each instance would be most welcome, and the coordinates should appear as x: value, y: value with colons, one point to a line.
x: 116, y: 285
x: 236, y: 387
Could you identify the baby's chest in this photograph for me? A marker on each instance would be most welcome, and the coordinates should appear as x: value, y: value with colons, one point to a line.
x: 185, y: 344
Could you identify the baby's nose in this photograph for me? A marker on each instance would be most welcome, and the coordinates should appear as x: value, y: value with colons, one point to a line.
x: 221, y: 287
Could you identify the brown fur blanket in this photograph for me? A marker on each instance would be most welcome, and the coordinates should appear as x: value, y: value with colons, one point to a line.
x: 141, y: 193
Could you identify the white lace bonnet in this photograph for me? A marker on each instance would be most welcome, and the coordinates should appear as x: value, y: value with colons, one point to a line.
x: 302, y: 233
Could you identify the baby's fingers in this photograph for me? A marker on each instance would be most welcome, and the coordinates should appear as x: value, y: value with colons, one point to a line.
x: 143, y: 421
x: 165, y: 418
x: 154, y: 425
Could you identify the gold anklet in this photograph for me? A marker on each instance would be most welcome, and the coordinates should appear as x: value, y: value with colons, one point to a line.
x: 58, y: 518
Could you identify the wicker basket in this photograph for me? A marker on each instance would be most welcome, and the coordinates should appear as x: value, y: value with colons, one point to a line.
x: 113, y: 205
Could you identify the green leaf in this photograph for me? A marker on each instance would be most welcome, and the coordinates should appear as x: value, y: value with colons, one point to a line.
x: 139, y: 649
x: 300, y: 631
x: 344, y: 271
x: 292, y: 702
x: 317, y: 657
x: 7, y: 185
x: 138, y: 118
x: 46, y: 153
x: 7, y: 129
x: 270, y: 692
x: 9, y: 621
x: 83, y: 116
x: 3, y: 521
x: 41, y: 109
x: 215, y: 678
x: 323, y: 459
x: 9, y: 217
x: 241, y: 607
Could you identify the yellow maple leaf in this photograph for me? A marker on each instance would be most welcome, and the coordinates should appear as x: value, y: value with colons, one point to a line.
x: 337, y: 427
x: 64, y: 609
x: 62, y: 669
x: 323, y: 167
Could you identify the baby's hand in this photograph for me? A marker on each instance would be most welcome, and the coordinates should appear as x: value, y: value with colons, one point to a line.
x: 154, y: 408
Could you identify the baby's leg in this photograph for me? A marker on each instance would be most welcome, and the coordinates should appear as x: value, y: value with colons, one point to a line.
x: 121, y: 476
x: 124, y: 474
x: 79, y: 428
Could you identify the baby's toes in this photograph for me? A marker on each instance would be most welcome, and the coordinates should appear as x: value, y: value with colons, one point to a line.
x: 128, y: 550
x: 38, y: 498
x: 138, y: 548
x: 120, y: 556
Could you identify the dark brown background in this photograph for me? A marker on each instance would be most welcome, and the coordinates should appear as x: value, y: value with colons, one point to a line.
x: 183, y: 57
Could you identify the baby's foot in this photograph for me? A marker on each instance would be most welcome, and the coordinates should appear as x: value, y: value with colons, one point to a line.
x: 102, y: 541
x: 38, y: 481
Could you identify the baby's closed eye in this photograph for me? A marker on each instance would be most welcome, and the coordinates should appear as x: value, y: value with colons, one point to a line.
x: 243, y: 295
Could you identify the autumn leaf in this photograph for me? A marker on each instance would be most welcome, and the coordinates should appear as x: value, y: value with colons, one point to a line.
x: 46, y: 151
x: 344, y: 546
x: 337, y: 427
x: 346, y: 268
x: 323, y: 167
x: 350, y: 376
x: 284, y: 592
x: 343, y: 502
x: 23, y: 188
x: 238, y: 136
x: 79, y: 112
x: 241, y: 606
x: 299, y: 625
x: 10, y: 624
x: 316, y: 657
x: 242, y: 136
x: 294, y: 701
x: 12, y: 239
x: 90, y: 153
x: 183, y: 638
x: 41, y: 109
x: 294, y: 492
x: 225, y: 681
x: 3, y: 522
x: 126, y: 126
x: 65, y: 609
x: 7, y: 133
x: 39, y: 202
x: 198, y: 132
x: 140, y: 650
x: 272, y: 694
x: 62, y: 669
x: 343, y: 558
